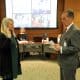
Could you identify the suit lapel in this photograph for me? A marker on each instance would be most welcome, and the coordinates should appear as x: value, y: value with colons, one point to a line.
x: 65, y: 35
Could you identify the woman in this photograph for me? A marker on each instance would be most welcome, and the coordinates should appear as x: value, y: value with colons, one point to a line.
x: 9, y: 52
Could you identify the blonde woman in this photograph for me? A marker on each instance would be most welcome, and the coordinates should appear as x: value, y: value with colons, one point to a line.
x: 9, y: 56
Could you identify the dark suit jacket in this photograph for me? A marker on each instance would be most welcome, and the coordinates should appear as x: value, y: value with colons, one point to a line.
x: 9, y: 57
x: 70, y: 42
x: 5, y: 55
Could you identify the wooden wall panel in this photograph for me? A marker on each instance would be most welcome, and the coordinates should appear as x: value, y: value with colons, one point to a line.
x: 36, y: 32
x: 75, y: 5
x: 2, y: 9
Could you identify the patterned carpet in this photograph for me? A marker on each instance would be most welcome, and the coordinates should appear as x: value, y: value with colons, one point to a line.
x: 37, y: 69
x: 41, y: 69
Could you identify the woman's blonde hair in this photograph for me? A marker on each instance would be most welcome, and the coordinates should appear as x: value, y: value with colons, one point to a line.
x: 4, y: 28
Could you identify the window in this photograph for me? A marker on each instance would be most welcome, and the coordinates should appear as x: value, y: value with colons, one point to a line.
x: 32, y: 13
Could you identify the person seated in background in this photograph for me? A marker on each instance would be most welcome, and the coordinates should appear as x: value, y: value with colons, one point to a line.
x: 23, y: 40
x: 22, y: 35
x: 45, y: 38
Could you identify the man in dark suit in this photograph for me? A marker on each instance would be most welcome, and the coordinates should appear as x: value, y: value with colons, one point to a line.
x: 22, y: 35
x: 68, y: 47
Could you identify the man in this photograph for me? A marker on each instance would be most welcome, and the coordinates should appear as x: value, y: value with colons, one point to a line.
x: 68, y: 47
x: 22, y: 35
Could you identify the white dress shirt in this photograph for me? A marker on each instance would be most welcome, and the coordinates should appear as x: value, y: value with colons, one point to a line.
x: 65, y: 44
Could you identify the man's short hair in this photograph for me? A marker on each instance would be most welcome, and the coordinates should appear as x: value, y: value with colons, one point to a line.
x: 70, y: 13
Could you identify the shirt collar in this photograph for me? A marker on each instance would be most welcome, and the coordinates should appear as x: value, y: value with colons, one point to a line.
x: 69, y: 26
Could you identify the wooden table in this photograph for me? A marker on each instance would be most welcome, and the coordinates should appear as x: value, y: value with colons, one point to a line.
x: 39, y: 48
